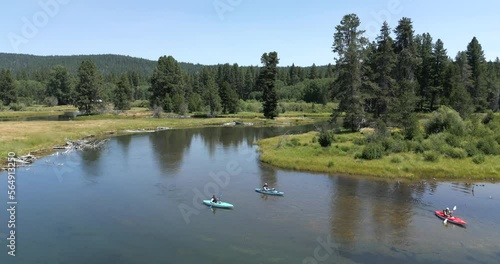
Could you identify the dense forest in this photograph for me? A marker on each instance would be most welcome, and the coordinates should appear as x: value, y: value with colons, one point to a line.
x: 390, y: 78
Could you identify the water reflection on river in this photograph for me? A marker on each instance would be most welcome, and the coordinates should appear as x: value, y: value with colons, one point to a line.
x: 138, y: 201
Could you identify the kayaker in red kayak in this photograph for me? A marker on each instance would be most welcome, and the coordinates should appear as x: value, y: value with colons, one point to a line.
x: 447, y: 212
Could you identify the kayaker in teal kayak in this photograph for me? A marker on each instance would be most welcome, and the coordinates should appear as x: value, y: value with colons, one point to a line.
x: 266, y: 187
x: 213, y: 200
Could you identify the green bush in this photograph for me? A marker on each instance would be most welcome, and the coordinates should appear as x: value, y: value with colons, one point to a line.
x: 445, y: 119
x: 455, y: 153
x: 488, y: 146
x: 294, y: 142
x: 140, y: 103
x: 359, y: 141
x: 471, y: 148
x: 396, y: 159
x: 17, y: 106
x: 50, y: 101
x: 387, y: 143
x: 330, y: 164
x: 345, y: 148
x: 325, y: 138
x: 479, y: 159
x: 489, y: 117
x: 372, y: 151
x: 431, y: 156
x: 452, y: 140
x: 398, y: 146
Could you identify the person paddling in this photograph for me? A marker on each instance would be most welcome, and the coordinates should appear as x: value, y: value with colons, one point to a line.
x: 447, y: 212
x: 266, y: 187
x: 213, y: 200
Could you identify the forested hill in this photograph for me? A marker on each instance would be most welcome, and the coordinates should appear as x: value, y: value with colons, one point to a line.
x: 106, y: 63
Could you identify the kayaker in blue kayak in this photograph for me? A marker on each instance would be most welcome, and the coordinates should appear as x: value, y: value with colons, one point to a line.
x: 213, y: 200
x: 266, y: 187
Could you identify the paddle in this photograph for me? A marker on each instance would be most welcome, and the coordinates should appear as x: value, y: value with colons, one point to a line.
x: 446, y: 219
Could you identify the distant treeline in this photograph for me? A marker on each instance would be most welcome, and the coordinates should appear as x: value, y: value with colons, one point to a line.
x: 40, y: 79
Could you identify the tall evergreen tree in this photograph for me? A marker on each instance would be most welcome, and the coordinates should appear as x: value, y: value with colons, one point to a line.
x: 313, y: 72
x: 89, y: 89
x: 167, y: 83
x: 349, y: 45
x: 493, y: 85
x: 440, y: 60
x: 211, y: 92
x: 229, y: 98
x: 122, y: 93
x: 8, y: 93
x: 265, y: 82
x: 381, y: 67
x: 461, y: 83
x: 404, y: 103
x: 59, y: 85
x: 425, y: 74
x: 475, y: 57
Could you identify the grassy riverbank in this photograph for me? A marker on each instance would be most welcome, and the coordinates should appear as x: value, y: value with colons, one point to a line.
x: 23, y: 137
x: 302, y: 152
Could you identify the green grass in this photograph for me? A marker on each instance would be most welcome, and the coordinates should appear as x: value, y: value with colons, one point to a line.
x: 339, y: 159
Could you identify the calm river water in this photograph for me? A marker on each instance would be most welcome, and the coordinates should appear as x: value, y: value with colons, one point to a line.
x: 138, y: 200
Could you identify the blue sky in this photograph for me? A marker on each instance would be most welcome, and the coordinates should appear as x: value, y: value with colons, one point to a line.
x: 232, y: 31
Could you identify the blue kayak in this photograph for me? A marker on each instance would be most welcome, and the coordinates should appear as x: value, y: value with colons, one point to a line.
x: 270, y: 192
x: 219, y: 204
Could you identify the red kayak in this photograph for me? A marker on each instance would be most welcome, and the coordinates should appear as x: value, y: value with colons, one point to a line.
x: 454, y: 220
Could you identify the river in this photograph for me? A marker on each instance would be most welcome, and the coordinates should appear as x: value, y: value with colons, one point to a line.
x: 138, y: 200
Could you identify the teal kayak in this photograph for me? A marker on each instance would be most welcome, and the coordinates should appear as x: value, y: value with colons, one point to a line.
x: 219, y: 204
x: 270, y: 192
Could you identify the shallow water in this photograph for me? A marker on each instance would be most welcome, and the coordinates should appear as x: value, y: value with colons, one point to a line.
x: 138, y: 200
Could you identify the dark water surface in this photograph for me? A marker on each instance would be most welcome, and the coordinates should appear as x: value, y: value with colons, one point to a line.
x: 138, y: 200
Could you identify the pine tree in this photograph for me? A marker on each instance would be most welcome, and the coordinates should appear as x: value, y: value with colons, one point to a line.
x: 313, y: 72
x: 476, y: 60
x: 404, y: 102
x: 441, y: 61
x: 122, y: 93
x: 265, y: 82
x: 59, y: 85
x: 166, y: 83
x: 349, y: 44
x: 425, y: 74
x: 211, y: 92
x: 8, y: 92
x: 381, y: 64
x: 89, y: 88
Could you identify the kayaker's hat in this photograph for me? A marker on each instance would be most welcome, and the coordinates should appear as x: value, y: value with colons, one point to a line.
x: 265, y: 183
x: 447, y: 208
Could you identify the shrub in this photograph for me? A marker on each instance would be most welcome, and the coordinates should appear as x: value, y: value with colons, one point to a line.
x: 330, y: 164
x: 445, y: 119
x: 471, y: 149
x: 431, y: 156
x: 325, y: 138
x: 345, y: 148
x: 359, y: 141
x: 17, y: 106
x: 488, y: 146
x: 372, y: 151
x: 314, y: 139
x: 455, y: 153
x: 50, y: 101
x: 294, y: 142
x: 140, y: 103
x: 479, y: 159
x: 489, y: 117
x: 398, y: 146
x: 396, y: 159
